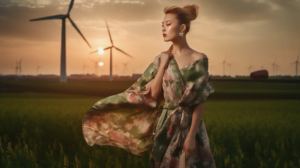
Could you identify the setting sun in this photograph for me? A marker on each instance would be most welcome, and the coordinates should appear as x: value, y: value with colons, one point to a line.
x: 100, y: 51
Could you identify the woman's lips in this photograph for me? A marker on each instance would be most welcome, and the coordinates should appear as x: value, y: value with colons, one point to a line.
x: 164, y: 35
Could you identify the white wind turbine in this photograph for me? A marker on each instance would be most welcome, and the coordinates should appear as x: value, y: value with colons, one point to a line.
x: 63, y: 74
x: 274, y: 66
x: 296, y: 62
x: 110, y: 48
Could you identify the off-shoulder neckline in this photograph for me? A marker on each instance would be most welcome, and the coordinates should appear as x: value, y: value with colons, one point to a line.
x: 204, y: 58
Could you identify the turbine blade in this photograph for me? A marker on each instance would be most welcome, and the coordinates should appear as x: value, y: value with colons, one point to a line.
x: 49, y: 17
x: 93, y: 52
x: 79, y: 31
x: 109, y: 33
x: 70, y: 6
x: 107, y: 48
x: 123, y: 52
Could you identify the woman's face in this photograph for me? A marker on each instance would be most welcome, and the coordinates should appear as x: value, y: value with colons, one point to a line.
x: 170, y: 27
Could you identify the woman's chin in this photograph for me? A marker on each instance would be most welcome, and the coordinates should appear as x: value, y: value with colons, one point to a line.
x: 166, y: 40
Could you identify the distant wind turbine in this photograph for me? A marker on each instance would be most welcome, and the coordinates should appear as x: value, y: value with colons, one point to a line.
x: 250, y: 67
x: 115, y: 66
x: 296, y: 63
x: 230, y: 64
x: 274, y: 67
x: 17, y: 68
x: 125, y: 66
x: 63, y: 74
x: 97, y: 65
x: 110, y: 48
x: 37, y: 70
x: 20, y: 67
x: 224, y: 62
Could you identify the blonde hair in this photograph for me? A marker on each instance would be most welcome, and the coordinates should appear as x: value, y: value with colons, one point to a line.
x: 184, y: 15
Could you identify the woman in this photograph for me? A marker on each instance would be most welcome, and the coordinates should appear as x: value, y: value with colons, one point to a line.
x: 163, y: 109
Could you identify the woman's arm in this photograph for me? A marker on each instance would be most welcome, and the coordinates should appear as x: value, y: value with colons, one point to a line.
x: 189, y: 143
x: 156, y: 85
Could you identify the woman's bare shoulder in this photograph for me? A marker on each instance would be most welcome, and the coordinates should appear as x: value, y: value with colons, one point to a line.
x: 199, y: 55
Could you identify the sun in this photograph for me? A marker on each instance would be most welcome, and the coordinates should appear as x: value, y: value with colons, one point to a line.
x: 100, y: 51
x: 100, y: 63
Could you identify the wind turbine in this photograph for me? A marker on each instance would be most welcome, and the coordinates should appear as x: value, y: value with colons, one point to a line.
x: 250, y: 67
x: 115, y: 66
x: 110, y: 48
x: 125, y: 66
x: 230, y: 64
x: 273, y: 67
x: 20, y: 67
x: 224, y: 62
x: 37, y: 70
x: 63, y: 74
x: 96, y: 65
x: 17, y: 68
x: 296, y: 62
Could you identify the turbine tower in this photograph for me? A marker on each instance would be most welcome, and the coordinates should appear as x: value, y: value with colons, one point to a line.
x: 296, y: 63
x: 96, y: 65
x: 20, y: 67
x: 63, y: 74
x: 224, y: 62
x: 110, y: 48
x: 125, y: 66
x: 37, y: 70
x: 230, y: 64
x: 274, y: 65
x: 17, y: 68
x: 250, y: 67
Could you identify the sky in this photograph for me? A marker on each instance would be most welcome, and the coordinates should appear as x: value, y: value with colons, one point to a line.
x: 243, y: 32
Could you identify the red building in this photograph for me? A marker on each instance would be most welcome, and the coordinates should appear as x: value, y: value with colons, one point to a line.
x: 259, y: 74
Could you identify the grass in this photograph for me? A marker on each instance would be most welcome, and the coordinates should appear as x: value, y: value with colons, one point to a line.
x: 44, y: 130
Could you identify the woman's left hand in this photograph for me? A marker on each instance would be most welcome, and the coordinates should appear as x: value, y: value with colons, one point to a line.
x: 189, y: 146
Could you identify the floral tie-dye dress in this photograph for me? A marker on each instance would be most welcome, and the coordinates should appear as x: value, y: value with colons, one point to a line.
x: 132, y: 120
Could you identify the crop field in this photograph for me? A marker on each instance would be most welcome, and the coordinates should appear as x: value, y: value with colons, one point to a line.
x: 39, y: 129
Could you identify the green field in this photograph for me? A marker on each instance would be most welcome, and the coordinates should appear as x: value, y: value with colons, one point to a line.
x: 44, y: 130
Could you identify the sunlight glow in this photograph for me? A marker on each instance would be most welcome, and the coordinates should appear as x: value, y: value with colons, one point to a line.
x: 100, y: 50
x: 100, y: 63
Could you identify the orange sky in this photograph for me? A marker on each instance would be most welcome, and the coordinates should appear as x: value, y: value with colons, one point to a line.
x: 255, y: 33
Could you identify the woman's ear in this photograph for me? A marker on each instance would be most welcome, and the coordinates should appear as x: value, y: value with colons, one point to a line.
x: 182, y: 27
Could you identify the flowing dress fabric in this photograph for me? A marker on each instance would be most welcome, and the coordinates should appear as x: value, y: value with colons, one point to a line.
x: 132, y: 120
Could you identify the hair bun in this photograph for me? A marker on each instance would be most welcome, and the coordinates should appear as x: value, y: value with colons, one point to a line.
x: 192, y: 10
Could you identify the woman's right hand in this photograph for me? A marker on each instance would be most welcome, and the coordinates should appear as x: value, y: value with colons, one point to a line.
x: 166, y: 56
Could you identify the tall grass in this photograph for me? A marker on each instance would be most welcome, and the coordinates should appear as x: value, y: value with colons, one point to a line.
x: 45, y: 131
